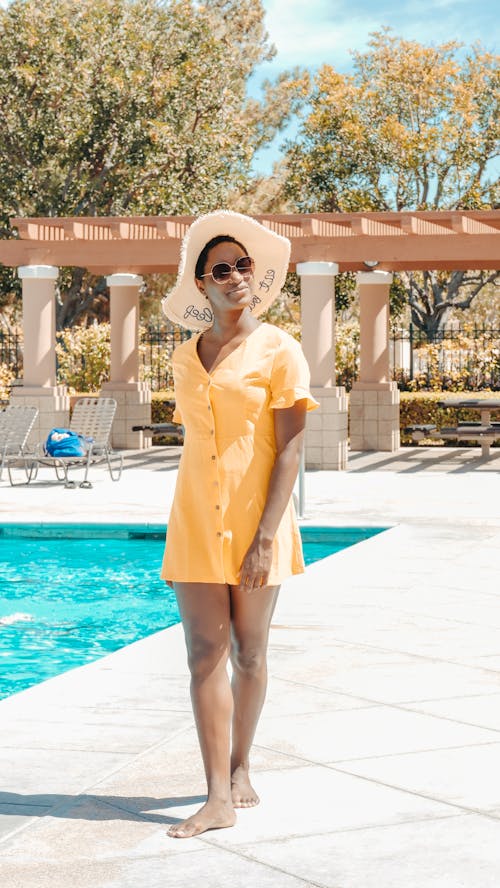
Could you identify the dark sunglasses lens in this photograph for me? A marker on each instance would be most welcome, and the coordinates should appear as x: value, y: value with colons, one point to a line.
x: 245, y: 263
x: 221, y: 272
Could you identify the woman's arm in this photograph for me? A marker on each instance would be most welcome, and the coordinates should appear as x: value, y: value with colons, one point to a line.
x: 289, y: 425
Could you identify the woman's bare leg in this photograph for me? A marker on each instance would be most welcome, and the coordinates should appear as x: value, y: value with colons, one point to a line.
x: 205, y: 612
x: 251, y: 615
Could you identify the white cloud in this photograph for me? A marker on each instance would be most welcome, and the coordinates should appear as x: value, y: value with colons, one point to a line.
x: 311, y: 32
x: 315, y: 32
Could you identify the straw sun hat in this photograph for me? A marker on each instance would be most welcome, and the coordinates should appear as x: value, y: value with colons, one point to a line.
x: 185, y: 304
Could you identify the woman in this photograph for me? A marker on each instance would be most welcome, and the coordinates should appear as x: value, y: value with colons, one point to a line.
x: 242, y: 392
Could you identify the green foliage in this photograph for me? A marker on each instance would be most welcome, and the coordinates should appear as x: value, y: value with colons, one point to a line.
x: 6, y: 379
x: 161, y: 411
x: 130, y: 106
x: 347, y: 352
x: 422, y: 408
x: 460, y: 364
x: 398, y: 298
x: 414, y: 128
x: 10, y: 288
x: 83, y: 357
x: 114, y: 106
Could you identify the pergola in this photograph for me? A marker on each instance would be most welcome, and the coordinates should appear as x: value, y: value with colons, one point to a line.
x: 124, y: 248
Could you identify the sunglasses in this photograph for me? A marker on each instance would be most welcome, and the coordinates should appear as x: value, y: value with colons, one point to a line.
x: 221, y: 271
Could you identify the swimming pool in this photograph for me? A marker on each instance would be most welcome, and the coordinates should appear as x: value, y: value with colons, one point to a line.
x: 71, y: 593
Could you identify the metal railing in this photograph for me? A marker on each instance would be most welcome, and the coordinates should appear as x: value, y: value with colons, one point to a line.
x: 471, y: 353
x: 463, y: 357
x: 11, y: 350
x: 156, y: 346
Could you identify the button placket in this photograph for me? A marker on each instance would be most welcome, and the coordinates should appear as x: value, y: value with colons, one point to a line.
x: 213, y: 459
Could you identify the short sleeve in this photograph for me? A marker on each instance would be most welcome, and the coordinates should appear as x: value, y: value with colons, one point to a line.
x: 290, y: 377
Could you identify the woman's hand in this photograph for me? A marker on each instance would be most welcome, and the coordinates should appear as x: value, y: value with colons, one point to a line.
x: 256, y: 564
x: 289, y: 424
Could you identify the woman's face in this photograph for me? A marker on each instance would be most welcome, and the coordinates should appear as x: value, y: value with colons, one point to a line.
x: 236, y: 292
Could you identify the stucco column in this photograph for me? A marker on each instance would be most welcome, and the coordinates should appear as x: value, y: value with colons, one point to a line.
x: 124, y: 318
x: 39, y: 324
x: 133, y: 397
x: 39, y: 384
x: 326, y: 434
x: 374, y: 400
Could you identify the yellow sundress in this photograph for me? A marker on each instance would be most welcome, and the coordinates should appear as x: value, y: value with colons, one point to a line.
x: 228, y: 455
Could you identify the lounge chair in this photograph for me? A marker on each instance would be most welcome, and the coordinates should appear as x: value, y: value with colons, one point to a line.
x: 92, y: 418
x: 16, y: 422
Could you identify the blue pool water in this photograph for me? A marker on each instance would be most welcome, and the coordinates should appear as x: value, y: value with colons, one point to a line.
x: 70, y: 594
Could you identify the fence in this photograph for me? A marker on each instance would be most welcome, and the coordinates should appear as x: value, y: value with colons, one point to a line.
x: 456, y: 358
x: 157, y: 345
x: 155, y: 353
x: 11, y: 350
x: 464, y: 359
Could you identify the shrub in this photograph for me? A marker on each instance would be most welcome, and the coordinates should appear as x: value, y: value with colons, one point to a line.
x: 156, y: 365
x: 347, y: 352
x: 161, y: 411
x: 419, y: 408
x: 83, y: 357
x: 6, y: 378
x: 459, y: 364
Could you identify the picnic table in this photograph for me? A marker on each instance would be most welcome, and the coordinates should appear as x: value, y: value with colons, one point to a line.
x: 485, y: 406
x: 485, y: 431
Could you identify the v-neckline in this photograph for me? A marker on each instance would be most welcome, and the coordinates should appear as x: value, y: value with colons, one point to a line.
x: 216, y: 367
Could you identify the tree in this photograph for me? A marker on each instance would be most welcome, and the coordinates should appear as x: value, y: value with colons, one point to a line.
x: 130, y: 106
x: 413, y: 128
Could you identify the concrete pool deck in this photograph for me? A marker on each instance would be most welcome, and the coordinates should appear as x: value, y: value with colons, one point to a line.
x: 378, y: 753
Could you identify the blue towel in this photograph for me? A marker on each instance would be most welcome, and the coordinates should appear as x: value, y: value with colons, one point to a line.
x: 64, y: 442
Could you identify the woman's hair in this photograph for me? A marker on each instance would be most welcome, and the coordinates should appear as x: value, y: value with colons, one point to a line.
x: 220, y: 239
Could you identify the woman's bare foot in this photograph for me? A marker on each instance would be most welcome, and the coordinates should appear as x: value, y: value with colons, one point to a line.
x: 213, y: 815
x: 242, y: 791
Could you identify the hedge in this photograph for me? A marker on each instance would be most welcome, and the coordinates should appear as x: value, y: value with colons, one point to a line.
x: 417, y: 408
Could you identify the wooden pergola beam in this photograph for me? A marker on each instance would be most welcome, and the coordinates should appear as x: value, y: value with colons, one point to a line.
x: 144, y: 244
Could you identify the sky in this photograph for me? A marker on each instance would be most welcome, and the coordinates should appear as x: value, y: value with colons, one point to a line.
x: 310, y: 33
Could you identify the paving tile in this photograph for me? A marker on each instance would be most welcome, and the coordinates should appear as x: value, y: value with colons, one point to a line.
x: 454, y: 605
x: 296, y: 655
x: 98, y: 684
x: 418, y: 679
x: 362, y: 733
x: 484, y: 662
x: 306, y: 801
x: 171, y: 770
x: 35, y: 776
x: 12, y: 817
x: 458, y: 852
x: 469, y: 776
x: 482, y: 710
x: 419, y: 635
x: 210, y: 867
x: 295, y: 698
x: 92, y: 829
x: 88, y: 730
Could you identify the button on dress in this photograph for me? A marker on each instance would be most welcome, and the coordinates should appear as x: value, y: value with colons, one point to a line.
x: 228, y: 456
